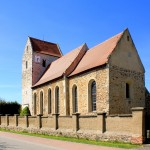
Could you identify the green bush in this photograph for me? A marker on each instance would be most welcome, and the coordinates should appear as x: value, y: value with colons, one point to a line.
x: 25, y: 111
x: 9, y: 107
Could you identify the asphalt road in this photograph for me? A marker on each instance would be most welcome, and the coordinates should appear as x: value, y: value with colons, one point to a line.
x: 11, y: 141
x: 7, y: 143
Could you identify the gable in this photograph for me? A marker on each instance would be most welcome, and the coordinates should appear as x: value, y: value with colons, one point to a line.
x: 28, y: 47
x: 98, y: 55
x: 125, y: 54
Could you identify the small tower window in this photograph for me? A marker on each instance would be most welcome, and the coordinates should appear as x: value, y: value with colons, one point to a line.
x: 44, y: 63
x: 128, y: 38
x: 127, y: 90
x: 26, y: 64
x: 27, y: 49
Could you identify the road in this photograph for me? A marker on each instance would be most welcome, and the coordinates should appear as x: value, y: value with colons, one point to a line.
x: 11, y: 141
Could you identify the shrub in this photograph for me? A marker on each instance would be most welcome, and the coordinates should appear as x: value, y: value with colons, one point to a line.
x: 25, y: 111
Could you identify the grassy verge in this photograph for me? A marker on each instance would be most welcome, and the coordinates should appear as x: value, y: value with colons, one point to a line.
x: 70, y: 139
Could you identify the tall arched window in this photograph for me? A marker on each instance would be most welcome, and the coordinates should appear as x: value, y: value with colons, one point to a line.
x: 49, y: 102
x: 75, y: 98
x: 57, y: 101
x: 41, y: 102
x: 93, y: 95
x: 34, y: 104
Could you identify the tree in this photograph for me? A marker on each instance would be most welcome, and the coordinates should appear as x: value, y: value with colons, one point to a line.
x: 25, y: 111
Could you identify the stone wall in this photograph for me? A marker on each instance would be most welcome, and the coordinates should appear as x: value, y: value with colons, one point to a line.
x: 126, y: 128
x: 100, y: 75
x: 82, y: 81
x: 118, y: 102
x: 59, y: 83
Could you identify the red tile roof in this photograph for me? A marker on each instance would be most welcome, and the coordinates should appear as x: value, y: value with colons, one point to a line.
x: 63, y: 65
x: 97, y: 55
x: 45, y: 47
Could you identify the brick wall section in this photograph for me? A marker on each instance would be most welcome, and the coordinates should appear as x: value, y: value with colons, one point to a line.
x: 118, y: 79
x: 52, y: 86
x: 38, y: 69
x: 101, y: 76
x: 121, y: 128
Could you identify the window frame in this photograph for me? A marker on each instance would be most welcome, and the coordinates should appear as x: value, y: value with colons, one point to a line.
x: 93, y: 96
x: 49, y: 101
x: 75, y: 99
x: 41, y: 102
x: 57, y: 100
x: 35, y: 104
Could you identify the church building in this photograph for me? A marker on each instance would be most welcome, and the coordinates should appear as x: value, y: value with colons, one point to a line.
x: 108, y: 77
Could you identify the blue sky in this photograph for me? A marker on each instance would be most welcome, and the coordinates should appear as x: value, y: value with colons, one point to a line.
x: 69, y: 23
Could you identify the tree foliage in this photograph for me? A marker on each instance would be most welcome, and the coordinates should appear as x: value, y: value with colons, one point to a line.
x: 25, y: 111
x: 9, y: 107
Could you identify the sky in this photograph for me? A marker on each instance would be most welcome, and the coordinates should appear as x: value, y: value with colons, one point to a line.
x: 69, y: 23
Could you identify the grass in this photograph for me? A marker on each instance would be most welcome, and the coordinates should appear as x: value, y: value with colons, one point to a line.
x: 71, y: 139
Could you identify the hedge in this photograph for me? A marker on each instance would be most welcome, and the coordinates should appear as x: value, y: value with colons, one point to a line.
x: 9, y: 107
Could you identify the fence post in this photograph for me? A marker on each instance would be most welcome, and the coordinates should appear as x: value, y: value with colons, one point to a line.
x: 102, y: 121
x: 75, y: 117
x: 7, y: 119
x: 27, y: 121
x: 0, y: 119
x: 39, y: 120
x: 16, y: 119
x: 138, y: 125
x: 55, y: 116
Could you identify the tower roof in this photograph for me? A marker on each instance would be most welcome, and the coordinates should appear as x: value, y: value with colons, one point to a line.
x: 45, y: 47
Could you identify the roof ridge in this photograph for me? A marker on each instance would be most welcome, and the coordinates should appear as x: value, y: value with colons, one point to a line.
x: 77, y: 59
x: 42, y: 40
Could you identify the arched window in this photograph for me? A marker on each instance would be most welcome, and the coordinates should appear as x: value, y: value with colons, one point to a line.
x: 93, y: 95
x: 127, y: 90
x: 34, y: 104
x: 41, y: 102
x: 57, y: 101
x: 49, y: 102
x: 75, y: 98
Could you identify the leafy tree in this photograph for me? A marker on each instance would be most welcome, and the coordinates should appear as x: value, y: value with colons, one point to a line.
x: 25, y: 111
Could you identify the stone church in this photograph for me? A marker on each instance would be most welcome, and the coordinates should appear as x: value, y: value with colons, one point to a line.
x: 108, y: 77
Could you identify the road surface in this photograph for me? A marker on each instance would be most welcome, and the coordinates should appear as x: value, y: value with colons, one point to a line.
x: 11, y: 141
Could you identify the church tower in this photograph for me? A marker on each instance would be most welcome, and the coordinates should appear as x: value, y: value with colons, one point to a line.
x: 37, y: 56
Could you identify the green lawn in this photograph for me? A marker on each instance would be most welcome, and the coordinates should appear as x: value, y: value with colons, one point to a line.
x: 85, y: 141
